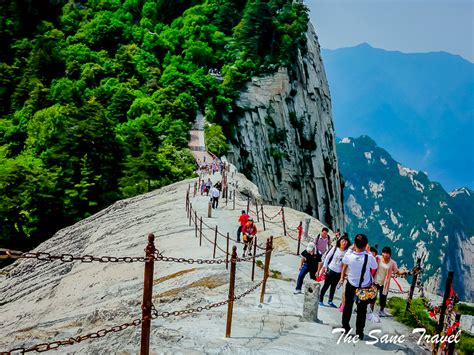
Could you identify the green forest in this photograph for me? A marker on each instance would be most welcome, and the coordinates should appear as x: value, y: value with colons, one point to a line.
x: 97, y: 97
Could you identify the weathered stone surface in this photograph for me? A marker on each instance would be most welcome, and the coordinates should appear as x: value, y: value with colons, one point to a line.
x: 285, y: 139
x: 311, y: 301
x: 47, y: 301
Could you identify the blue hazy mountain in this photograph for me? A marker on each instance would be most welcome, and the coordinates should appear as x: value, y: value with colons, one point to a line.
x: 418, y: 106
x: 400, y: 207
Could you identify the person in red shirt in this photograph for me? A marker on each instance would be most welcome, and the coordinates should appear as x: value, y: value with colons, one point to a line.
x: 244, y: 217
x: 249, y: 231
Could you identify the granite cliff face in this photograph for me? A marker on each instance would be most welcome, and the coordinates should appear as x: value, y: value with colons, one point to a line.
x: 284, y: 140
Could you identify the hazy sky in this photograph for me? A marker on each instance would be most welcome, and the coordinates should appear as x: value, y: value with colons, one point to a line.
x: 404, y: 25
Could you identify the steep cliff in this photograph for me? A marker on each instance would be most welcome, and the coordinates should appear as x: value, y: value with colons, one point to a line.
x: 284, y: 138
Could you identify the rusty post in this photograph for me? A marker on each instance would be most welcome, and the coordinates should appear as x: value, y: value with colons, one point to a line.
x: 227, y: 252
x: 230, y: 304
x: 299, y: 245
x: 283, y: 219
x: 268, y: 252
x: 263, y: 217
x: 253, y: 259
x: 256, y: 208
x: 209, y: 210
x: 215, y: 244
x: 200, y: 231
x: 442, y: 313
x: 195, y: 224
x: 147, y: 293
x: 195, y: 188
x: 456, y: 331
x: 413, y: 284
x: 233, y: 199
x: 190, y: 212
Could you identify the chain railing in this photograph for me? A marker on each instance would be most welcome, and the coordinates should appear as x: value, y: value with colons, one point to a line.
x: 118, y: 328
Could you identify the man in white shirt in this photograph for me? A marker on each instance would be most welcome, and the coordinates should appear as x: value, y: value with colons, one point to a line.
x: 215, y: 193
x: 356, y: 262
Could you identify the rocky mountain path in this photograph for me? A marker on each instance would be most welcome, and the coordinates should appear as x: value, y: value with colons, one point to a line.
x: 196, y: 141
x: 46, y: 301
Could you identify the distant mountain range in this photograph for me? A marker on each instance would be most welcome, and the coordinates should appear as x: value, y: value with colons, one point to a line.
x: 400, y: 207
x: 418, y: 106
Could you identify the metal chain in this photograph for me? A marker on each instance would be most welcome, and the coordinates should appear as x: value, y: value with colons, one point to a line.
x: 67, y: 258
x: 103, y: 332
x: 155, y: 314
x: 72, y: 340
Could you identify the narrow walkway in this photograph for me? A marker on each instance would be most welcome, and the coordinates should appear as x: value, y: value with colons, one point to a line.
x: 196, y: 141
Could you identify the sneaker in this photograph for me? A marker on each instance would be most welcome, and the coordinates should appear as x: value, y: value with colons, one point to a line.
x: 382, y: 313
x: 341, y: 308
x: 321, y: 303
x: 331, y: 303
x: 297, y: 292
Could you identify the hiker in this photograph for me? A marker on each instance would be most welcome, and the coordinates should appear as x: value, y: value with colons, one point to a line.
x: 322, y: 242
x: 332, y: 267
x: 249, y: 231
x: 386, y: 268
x: 215, y: 193
x: 203, y: 186
x: 244, y: 217
x: 309, y: 263
x: 208, y: 186
x: 358, y: 264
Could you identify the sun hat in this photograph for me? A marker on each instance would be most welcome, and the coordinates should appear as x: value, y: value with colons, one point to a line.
x: 310, y: 246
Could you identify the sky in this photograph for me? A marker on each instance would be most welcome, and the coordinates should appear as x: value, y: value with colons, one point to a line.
x: 404, y: 25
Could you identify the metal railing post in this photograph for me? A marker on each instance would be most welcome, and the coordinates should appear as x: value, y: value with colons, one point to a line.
x: 147, y: 294
x: 230, y: 305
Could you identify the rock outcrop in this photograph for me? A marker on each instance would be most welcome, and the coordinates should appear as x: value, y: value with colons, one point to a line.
x: 284, y: 140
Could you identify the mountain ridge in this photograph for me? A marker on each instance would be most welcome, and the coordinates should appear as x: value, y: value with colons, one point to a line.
x: 402, y: 208
x: 417, y: 105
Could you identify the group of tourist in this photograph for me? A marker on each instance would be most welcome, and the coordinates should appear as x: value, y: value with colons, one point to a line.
x: 359, y: 266
x: 211, y: 167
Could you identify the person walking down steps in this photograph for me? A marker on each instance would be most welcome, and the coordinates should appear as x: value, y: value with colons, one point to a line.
x: 359, y: 264
x: 332, y: 268
x: 215, y: 193
x: 249, y: 231
x: 309, y: 263
x: 244, y: 217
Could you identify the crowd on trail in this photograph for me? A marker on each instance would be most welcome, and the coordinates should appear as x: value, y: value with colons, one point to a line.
x: 364, y: 272
x: 211, y: 167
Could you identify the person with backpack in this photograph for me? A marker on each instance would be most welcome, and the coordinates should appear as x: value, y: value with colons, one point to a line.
x: 332, y: 267
x: 249, y: 231
x: 385, y: 269
x: 322, y: 242
x: 309, y: 264
x: 244, y: 217
x: 208, y: 186
x: 358, y: 264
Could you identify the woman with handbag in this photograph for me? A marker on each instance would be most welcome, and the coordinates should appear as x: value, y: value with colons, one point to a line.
x: 359, y: 282
x: 386, y: 268
x: 332, y: 266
